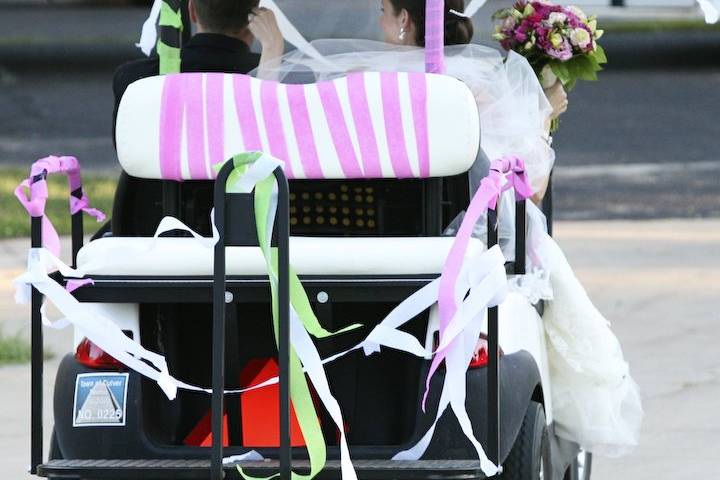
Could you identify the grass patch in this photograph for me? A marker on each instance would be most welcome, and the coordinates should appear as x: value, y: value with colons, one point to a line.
x: 14, y: 220
x: 14, y: 349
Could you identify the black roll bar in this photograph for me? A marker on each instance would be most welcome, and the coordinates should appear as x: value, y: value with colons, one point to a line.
x: 493, y: 377
x: 37, y: 351
x: 493, y: 336
x: 220, y: 301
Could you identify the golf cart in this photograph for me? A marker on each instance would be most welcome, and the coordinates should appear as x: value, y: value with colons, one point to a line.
x: 364, y: 233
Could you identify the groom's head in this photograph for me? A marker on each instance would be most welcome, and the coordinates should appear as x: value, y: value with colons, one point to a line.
x: 229, y: 17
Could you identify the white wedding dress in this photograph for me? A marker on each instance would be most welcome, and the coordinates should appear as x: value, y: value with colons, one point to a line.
x: 595, y: 401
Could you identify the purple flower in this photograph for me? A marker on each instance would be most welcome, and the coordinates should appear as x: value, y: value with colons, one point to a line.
x: 507, y: 44
x: 563, y: 52
x: 520, y: 37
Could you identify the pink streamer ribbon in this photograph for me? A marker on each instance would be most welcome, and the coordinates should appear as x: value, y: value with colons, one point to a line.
x: 37, y: 187
x: 510, y: 168
x: 73, y: 285
x: 435, y: 36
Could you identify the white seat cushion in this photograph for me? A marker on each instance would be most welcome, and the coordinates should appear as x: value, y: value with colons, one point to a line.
x: 365, y: 125
x: 308, y: 256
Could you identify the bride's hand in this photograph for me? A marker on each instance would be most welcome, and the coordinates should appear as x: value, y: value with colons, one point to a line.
x: 264, y: 27
x: 558, y: 99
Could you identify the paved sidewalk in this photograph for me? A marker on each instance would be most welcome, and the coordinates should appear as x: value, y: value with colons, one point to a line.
x: 659, y: 284
x: 657, y: 281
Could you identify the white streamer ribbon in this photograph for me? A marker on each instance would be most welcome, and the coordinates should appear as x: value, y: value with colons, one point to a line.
x: 148, y: 37
x: 711, y: 10
x: 481, y: 284
x: 471, y: 9
x: 292, y: 35
x: 101, y: 330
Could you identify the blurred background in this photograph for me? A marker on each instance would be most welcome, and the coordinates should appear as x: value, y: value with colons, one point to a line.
x: 636, y: 191
x: 647, y: 126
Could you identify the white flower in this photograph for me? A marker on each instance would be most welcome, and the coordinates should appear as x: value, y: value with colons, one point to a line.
x: 509, y: 23
x: 578, y: 13
x: 556, y: 18
x: 580, y: 37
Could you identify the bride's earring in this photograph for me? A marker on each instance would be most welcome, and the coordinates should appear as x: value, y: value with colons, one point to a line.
x: 401, y: 37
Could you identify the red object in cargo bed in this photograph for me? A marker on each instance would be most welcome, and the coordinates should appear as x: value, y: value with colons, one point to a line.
x: 260, y: 419
x: 201, y: 435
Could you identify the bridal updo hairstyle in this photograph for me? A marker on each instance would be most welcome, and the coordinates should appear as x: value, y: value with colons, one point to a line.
x: 458, y: 30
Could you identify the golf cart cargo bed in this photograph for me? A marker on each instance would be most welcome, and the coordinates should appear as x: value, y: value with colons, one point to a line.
x: 198, y: 469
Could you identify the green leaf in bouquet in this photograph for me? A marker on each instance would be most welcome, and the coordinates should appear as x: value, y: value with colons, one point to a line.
x: 561, y: 71
x: 594, y: 61
x: 596, y: 65
x: 581, y: 67
x: 600, y: 54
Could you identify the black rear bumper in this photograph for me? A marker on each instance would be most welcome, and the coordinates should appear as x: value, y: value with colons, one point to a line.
x: 198, y: 469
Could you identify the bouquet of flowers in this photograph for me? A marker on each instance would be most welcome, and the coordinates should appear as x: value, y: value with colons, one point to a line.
x: 559, y: 42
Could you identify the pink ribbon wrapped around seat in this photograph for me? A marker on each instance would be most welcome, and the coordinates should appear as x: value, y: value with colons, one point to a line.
x: 37, y: 187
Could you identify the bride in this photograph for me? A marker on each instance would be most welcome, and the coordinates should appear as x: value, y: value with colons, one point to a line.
x: 595, y: 401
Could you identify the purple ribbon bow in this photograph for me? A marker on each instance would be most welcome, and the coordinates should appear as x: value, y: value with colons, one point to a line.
x: 37, y: 187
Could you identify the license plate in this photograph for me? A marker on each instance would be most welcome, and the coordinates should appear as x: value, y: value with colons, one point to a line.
x: 100, y: 400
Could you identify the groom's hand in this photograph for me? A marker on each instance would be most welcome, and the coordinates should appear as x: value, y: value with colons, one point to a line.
x: 558, y: 99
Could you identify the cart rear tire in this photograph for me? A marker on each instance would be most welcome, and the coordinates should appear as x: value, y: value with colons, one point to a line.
x: 529, y: 457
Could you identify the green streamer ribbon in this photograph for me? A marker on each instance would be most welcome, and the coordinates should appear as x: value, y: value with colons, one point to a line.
x: 299, y: 389
x: 169, y: 56
x: 170, y: 17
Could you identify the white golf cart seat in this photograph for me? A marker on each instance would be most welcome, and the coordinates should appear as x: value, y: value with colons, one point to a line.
x: 369, y: 125
x: 308, y: 255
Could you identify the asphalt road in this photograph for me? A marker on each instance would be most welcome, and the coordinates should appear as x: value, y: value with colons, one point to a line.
x: 640, y: 143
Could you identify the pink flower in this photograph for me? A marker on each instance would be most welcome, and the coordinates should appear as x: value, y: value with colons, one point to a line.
x: 563, y: 52
x: 509, y: 23
x: 556, y: 18
x: 581, y: 38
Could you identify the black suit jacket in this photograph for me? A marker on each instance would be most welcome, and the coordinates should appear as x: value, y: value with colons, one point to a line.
x: 138, y: 203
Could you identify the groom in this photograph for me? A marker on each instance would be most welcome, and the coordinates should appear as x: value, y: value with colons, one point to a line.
x: 225, y: 30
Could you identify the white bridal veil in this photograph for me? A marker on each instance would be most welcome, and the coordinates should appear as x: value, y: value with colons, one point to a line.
x: 596, y: 402
x: 513, y: 108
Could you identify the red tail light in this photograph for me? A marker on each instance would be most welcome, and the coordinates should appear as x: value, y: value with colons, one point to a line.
x: 481, y: 357
x: 92, y: 356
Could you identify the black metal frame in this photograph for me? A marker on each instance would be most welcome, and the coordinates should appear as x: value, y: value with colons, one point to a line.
x: 493, y: 335
x: 37, y: 354
x: 238, y: 288
x: 36, y: 334
x: 493, y: 378
x: 547, y: 205
x: 220, y: 301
